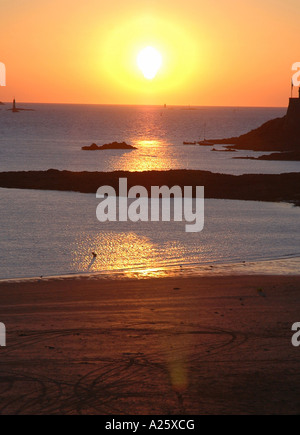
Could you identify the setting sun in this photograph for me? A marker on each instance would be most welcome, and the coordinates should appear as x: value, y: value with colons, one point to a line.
x: 149, y: 62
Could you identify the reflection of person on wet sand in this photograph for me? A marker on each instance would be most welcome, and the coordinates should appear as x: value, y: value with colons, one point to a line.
x: 95, y: 255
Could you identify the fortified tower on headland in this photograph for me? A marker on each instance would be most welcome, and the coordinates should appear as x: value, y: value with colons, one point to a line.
x: 293, y: 113
x: 280, y: 134
x: 290, y: 131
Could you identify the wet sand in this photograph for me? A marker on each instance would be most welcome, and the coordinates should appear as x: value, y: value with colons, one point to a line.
x: 198, y: 345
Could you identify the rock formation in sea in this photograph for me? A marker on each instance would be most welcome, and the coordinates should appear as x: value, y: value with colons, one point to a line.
x: 110, y: 146
x: 280, y: 134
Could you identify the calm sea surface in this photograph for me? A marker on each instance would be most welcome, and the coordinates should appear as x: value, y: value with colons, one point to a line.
x: 52, y: 137
x: 54, y: 233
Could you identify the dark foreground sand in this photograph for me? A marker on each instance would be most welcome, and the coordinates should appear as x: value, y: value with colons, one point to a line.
x: 207, y: 345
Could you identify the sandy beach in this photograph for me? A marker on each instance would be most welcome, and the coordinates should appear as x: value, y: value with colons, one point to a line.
x: 197, y: 345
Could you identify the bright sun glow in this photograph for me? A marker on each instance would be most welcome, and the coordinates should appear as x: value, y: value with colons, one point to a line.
x: 149, y: 62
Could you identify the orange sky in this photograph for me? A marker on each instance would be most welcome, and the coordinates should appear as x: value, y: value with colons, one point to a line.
x: 215, y: 52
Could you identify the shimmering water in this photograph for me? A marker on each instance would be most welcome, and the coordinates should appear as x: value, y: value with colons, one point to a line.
x: 52, y: 137
x: 53, y: 233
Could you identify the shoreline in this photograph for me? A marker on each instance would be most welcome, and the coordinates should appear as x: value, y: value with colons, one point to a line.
x: 171, y: 346
x: 273, y: 266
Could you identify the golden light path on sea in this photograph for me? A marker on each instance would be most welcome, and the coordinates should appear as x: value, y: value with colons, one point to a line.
x: 159, y: 159
x: 116, y: 251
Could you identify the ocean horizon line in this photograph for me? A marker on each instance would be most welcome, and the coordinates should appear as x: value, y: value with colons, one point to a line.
x: 147, y: 105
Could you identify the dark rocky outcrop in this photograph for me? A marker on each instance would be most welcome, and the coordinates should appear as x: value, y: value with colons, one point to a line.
x: 281, y: 134
x: 226, y: 150
x: 282, y: 187
x: 109, y: 146
x: 286, y: 157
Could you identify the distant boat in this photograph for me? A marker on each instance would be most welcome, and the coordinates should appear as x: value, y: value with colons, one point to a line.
x: 189, y: 143
x: 205, y: 142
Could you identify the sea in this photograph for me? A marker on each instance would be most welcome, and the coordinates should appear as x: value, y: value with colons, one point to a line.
x: 53, y: 234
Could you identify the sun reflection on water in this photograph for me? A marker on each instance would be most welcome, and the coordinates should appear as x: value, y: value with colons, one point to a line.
x: 150, y: 155
x: 115, y: 251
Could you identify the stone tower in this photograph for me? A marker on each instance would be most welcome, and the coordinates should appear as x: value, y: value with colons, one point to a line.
x: 293, y: 112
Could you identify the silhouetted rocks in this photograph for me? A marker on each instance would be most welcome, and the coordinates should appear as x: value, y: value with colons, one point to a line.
x: 92, y: 147
x: 282, y: 187
x: 226, y: 150
x: 109, y: 146
x: 293, y: 156
x: 280, y: 134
